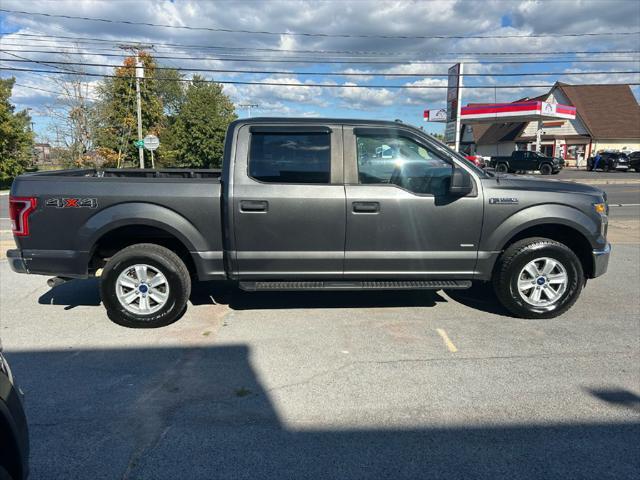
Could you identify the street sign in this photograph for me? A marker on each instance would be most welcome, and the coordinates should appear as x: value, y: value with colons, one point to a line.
x: 151, y: 142
x: 454, y: 98
x: 138, y: 143
x: 435, y: 115
x: 450, y: 133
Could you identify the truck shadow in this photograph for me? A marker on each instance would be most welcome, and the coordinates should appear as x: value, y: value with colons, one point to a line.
x: 211, y: 292
x: 204, y: 412
x: 480, y: 297
x: 72, y: 294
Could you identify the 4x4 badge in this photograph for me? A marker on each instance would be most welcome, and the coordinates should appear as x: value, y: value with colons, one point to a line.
x: 72, y: 202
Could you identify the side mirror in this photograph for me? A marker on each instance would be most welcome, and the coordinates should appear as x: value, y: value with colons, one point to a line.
x: 461, y: 183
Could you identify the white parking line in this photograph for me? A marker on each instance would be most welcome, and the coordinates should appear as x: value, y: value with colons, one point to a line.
x: 624, y: 204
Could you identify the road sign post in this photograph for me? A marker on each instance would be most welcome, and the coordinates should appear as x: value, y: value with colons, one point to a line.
x: 151, y: 142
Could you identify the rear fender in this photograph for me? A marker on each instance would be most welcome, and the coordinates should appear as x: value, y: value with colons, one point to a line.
x: 139, y: 213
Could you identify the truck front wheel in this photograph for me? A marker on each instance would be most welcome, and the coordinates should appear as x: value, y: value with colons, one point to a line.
x: 145, y: 286
x: 538, y: 278
x: 546, y: 169
x: 502, y: 168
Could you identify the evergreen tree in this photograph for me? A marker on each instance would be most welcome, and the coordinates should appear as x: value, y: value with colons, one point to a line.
x: 16, y: 137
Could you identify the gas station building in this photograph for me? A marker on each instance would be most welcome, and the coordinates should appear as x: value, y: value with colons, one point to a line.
x: 585, y: 119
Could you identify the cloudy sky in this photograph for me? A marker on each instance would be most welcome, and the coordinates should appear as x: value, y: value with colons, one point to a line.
x: 301, y: 42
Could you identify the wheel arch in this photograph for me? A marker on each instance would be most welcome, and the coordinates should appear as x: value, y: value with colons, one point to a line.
x: 127, y: 224
x: 561, y: 223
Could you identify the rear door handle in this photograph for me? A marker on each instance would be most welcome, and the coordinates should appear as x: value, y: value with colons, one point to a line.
x: 254, y: 205
x: 366, y: 207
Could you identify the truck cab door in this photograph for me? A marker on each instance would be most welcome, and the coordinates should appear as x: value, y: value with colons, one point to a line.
x: 402, y: 222
x: 520, y: 160
x: 287, y: 202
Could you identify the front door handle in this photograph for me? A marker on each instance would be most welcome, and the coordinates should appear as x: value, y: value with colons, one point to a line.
x: 366, y: 207
x: 254, y: 205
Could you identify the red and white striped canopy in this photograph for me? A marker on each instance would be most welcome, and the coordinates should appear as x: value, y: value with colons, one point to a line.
x: 516, y: 112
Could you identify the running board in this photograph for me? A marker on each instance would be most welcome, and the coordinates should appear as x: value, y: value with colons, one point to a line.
x: 357, y: 285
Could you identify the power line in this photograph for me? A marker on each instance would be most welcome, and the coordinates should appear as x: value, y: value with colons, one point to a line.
x: 287, y: 84
x: 310, y: 34
x: 100, y: 41
x: 434, y: 54
x: 339, y: 74
x: 346, y: 62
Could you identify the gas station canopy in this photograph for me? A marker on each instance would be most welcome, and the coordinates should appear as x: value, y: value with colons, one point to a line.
x: 515, y: 112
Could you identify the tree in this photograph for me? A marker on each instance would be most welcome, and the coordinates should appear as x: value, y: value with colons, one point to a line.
x: 72, y: 114
x: 16, y: 137
x: 116, y: 118
x: 196, y: 139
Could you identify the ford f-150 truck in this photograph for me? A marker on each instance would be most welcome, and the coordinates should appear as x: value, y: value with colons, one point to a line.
x: 311, y: 204
x: 526, y: 161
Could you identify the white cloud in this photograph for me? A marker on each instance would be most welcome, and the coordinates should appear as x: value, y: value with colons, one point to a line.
x: 364, y: 98
x: 362, y: 17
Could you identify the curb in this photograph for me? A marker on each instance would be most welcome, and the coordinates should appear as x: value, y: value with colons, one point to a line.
x: 589, y: 181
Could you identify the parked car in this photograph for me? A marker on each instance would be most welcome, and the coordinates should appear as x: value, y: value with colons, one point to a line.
x: 526, y: 161
x: 14, y: 434
x: 610, y: 161
x: 634, y: 161
x: 477, y: 160
x: 296, y: 207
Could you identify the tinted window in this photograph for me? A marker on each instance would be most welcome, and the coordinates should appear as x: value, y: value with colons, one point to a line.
x: 290, y: 157
x: 401, y: 161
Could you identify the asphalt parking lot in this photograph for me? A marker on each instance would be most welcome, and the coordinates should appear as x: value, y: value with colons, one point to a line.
x: 335, y: 385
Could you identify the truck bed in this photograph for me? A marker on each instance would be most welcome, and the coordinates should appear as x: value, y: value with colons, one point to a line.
x: 77, y: 208
x: 131, y: 173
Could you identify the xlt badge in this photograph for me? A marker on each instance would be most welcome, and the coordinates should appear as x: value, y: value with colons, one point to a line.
x: 503, y: 201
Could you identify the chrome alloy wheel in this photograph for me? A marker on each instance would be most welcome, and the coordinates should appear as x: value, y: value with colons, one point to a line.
x: 542, y: 282
x: 142, y: 289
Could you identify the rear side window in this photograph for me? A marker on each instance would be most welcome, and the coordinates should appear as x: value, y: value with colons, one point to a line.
x: 290, y: 157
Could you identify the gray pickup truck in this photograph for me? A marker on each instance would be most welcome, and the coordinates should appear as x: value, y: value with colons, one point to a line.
x: 311, y: 204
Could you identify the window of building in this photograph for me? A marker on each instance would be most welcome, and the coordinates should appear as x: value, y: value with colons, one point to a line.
x: 290, y: 157
x: 385, y: 159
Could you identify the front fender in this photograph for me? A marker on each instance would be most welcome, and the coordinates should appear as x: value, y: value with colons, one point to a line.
x: 547, y: 214
x: 139, y: 213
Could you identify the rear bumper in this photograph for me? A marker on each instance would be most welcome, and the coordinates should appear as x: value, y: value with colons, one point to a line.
x: 16, y: 262
x: 63, y: 263
x: 601, y: 260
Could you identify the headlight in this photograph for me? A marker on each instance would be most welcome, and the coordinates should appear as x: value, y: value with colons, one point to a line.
x: 600, y: 208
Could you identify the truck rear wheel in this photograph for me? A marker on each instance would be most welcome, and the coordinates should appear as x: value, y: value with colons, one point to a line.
x: 538, y: 278
x: 145, y: 286
x: 502, y: 168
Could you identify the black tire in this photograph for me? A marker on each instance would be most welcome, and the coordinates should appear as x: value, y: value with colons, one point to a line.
x: 4, y: 475
x: 546, y: 169
x: 160, y: 258
x: 502, y: 168
x: 516, y: 257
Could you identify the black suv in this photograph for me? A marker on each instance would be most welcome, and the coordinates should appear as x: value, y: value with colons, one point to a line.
x: 634, y: 161
x: 610, y: 161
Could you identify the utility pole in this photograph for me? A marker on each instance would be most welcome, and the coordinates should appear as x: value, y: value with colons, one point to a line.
x: 139, y: 74
x: 248, y: 106
x: 136, y: 49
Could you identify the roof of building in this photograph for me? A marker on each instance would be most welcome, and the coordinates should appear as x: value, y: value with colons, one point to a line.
x: 497, y: 132
x: 607, y: 111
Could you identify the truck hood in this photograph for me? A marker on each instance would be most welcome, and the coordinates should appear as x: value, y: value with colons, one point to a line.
x: 531, y: 183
